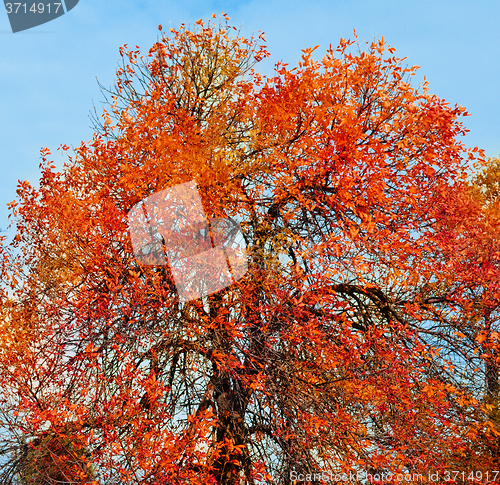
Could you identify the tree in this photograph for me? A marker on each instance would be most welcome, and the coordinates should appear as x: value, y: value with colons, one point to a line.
x: 53, y: 458
x: 461, y: 303
x: 309, y: 363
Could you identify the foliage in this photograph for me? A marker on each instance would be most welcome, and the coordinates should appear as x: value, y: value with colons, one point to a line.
x: 462, y: 305
x: 319, y: 359
x: 54, y: 458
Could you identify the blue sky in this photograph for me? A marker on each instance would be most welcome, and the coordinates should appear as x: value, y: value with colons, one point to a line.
x: 48, y: 73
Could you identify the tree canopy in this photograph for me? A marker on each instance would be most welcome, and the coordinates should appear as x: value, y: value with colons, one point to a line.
x: 362, y: 337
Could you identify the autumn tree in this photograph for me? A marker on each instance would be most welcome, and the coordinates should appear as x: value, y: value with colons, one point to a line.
x: 312, y: 362
x: 459, y: 307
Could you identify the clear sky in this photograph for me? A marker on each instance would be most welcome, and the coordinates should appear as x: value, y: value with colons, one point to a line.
x: 48, y: 73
